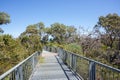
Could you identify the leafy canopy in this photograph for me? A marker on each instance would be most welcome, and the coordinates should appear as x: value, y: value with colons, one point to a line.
x: 4, y: 18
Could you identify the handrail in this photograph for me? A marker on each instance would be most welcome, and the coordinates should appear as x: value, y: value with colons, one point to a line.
x: 17, y: 72
x: 96, y: 62
x: 87, y: 69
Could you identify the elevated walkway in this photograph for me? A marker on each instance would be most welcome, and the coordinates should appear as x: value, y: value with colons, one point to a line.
x: 52, y: 68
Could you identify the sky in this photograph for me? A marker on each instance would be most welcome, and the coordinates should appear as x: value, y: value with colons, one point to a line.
x: 83, y: 13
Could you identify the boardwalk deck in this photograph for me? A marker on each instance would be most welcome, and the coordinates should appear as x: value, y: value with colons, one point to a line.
x: 52, y: 69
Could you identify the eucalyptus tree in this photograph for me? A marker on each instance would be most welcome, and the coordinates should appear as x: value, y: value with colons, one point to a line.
x: 41, y: 28
x: 61, y: 33
x: 31, y: 30
x: 71, y: 34
x: 4, y: 18
x: 111, y: 25
x: 57, y: 31
x: 30, y: 39
x: 71, y: 30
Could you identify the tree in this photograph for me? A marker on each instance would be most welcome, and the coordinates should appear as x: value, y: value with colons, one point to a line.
x: 30, y: 39
x: 41, y: 27
x: 61, y: 33
x: 111, y: 25
x: 57, y: 31
x: 31, y: 43
x: 4, y: 18
x: 10, y: 51
x: 31, y: 30
x: 70, y: 34
x: 71, y: 30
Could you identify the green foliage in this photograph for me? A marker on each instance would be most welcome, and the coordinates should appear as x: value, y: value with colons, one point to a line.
x: 61, y: 33
x: 4, y: 18
x: 73, y: 47
x: 57, y: 31
x: 35, y: 36
x: 71, y: 30
x: 110, y: 39
x: 31, y: 29
x: 111, y: 25
x: 41, y: 28
x: 31, y: 40
x: 11, y: 52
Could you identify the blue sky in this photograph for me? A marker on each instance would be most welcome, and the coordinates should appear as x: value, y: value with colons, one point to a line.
x: 83, y: 13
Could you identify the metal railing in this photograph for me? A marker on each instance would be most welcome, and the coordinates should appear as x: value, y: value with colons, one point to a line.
x: 23, y: 70
x: 86, y: 68
x: 51, y: 49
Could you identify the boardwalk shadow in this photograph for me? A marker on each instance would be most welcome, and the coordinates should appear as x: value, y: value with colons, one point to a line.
x: 69, y: 73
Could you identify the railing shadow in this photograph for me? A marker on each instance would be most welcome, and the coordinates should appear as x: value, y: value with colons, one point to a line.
x: 68, y: 72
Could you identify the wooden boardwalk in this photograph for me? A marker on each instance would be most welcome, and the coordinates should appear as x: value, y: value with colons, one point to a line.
x: 52, y: 68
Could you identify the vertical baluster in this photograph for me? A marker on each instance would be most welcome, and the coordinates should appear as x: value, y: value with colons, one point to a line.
x: 21, y: 72
x: 12, y: 75
x: 25, y: 67
x: 64, y: 60
x: 92, y: 71
x: 62, y: 54
x: 25, y: 71
x: 70, y: 60
x: 74, y: 63
x: 33, y: 62
x: 17, y: 73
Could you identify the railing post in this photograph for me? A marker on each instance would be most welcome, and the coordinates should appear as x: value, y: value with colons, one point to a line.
x: 33, y: 61
x: 70, y: 60
x: 60, y: 53
x: 17, y: 73
x: 64, y: 57
x: 92, y: 70
x: 20, y: 72
x: 74, y: 63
